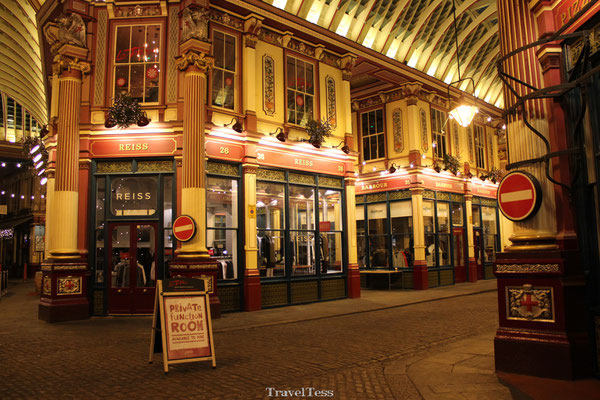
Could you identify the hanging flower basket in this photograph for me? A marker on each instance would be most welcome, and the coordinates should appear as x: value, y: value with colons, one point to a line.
x: 124, y: 112
x: 495, y: 174
x: 318, y: 131
x: 451, y: 163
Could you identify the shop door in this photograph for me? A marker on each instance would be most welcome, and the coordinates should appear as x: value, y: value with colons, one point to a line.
x: 132, y: 247
x: 478, y: 244
x: 460, y: 265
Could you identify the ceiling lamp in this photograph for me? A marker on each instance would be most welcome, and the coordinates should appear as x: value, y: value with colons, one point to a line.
x: 463, y: 113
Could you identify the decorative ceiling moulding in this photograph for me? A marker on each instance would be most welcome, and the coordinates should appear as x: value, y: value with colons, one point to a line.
x: 410, y: 90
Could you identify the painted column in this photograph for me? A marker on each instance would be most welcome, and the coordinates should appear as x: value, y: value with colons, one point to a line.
x: 353, y: 271
x: 252, y: 27
x: 411, y: 91
x: 64, y: 282
x: 471, y: 263
x: 252, y: 292
x: 192, y: 258
x: 420, y: 275
x: 540, y: 285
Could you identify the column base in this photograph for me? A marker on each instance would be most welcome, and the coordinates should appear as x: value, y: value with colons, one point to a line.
x: 473, y: 271
x: 200, y: 268
x: 252, y: 292
x: 353, y: 281
x: 420, y: 275
x: 544, y: 324
x: 64, y: 292
x: 548, y: 355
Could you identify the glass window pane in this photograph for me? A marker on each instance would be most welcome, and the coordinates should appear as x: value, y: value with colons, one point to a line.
x: 138, y: 39
x: 291, y: 106
x: 402, y: 247
x: 222, y: 245
x: 377, y: 216
x: 219, y: 49
x: 230, y: 53
x: 442, y: 215
x: 153, y: 43
x: 291, y: 73
x: 120, y: 262
x: 444, y: 250
x: 122, y: 51
x: 136, y: 87
x: 151, y: 83
x: 488, y: 215
x: 168, y: 201
x: 270, y: 205
x: 401, y: 215
x: 489, y: 243
x: 134, y: 195
x: 457, y: 214
x: 217, y: 87
x: 228, y: 90
x: 361, y: 244
x: 100, y: 202
x: 379, y: 251
x: 476, y: 216
x: 221, y: 203
x: 146, y: 256
x: 121, y: 79
x: 99, y: 236
x: 303, y: 253
x: 330, y: 210
x: 302, y: 212
x: 309, y: 79
x: 330, y: 252
x: 271, y: 253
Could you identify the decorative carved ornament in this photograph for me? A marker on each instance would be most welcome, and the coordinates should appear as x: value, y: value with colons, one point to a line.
x: 47, y: 286
x: 138, y: 11
x: 455, y: 137
x: 64, y: 63
x: 528, y: 303
x: 527, y: 268
x: 252, y: 27
x: 199, y: 60
x: 268, y: 84
x: 69, y: 285
x: 398, y: 134
x: 424, y: 136
x: 194, y: 24
x: 271, y: 37
x: 470, y: 140
x: 330, y: 101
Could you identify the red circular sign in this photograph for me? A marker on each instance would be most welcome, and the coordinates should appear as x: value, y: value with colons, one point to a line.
x: 184, y: 228
x: 519, y: 196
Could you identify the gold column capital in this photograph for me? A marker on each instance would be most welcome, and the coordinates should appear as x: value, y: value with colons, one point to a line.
x: 62, y: 63
x: 191, y: 58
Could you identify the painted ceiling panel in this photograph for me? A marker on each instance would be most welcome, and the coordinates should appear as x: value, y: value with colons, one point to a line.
x: 420, y: 33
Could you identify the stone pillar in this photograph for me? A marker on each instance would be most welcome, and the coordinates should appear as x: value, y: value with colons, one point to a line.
x: 64, y: 282
x: 420, y: 275
x: 540, y: 286
x: 252, y: 292
x: 471, y: 262
x: 252, y: 27
x: 192, y: 258
x: 353, y: 271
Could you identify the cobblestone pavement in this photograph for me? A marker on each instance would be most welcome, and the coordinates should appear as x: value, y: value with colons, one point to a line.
x: 107, y: 357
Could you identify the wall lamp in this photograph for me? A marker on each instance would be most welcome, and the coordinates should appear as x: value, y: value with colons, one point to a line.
x: 279, y: 134
x: 393, y: 168
x: 237, y: 126
x: 344, y: 148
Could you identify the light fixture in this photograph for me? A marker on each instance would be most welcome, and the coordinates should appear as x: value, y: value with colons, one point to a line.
x: 41, y: 172
x: 344, y: 148
x: 38, y: 165
x: 34, y: 149
x: 279, y: 134
x: 392, y: 168
x: 37, y: 157
x: 237, y: 126
x: 43, y: 181
x: 464, y: 112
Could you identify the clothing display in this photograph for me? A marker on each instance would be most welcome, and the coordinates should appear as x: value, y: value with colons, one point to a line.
x: 122, y: 269
x: 225, y: 269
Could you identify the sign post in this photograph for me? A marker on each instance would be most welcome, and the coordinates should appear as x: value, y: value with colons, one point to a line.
x: 519, y: 196
x: 182, y: 320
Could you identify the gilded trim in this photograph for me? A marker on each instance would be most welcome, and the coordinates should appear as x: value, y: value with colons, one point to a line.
x: 527, y: 268
x: 528, y: 303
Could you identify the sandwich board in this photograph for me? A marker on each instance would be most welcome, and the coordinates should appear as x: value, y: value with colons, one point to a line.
x: 181, y: 325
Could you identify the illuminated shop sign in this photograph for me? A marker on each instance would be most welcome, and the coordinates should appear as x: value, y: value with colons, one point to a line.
x: 134, y: 196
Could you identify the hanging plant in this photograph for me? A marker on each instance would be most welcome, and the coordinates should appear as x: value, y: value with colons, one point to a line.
x: 318, y: 131
x: 124, y: 112
x: 495, y: 174
x: 451, y: 163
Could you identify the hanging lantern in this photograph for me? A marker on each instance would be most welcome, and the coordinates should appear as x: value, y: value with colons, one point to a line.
x: 464, y: 114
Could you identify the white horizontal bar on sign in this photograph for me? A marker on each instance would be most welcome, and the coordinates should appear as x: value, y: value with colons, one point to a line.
x: 183, y: 228
x: 516, y: 196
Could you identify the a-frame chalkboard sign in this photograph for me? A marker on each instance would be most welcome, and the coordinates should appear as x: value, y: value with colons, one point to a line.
x: 181, y: 326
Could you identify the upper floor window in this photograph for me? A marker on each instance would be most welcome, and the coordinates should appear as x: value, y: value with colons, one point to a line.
x: 373, y: 138
x: 224, y: 70
x: 300, y: 91
x: 137, y: 62
x: 438, y: 118
x: 479, y: 146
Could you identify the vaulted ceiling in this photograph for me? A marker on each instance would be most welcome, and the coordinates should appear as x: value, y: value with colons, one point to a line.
x: 20, y: 63
x: 419, y: 33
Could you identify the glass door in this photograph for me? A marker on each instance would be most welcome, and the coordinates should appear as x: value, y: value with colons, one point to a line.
x: 132, y: 247
x: 459, y: 259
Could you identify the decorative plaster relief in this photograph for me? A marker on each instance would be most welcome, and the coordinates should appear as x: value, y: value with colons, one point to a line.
x: 470, y: 140
x: 530, y: 304
x: 268, y: 85
x: 424, y: 139
x: 69, y: 285
x: 330, y: 101
x: 398, y: 134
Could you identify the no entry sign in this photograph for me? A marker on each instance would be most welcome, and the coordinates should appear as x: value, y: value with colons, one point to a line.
x: 184, y: 228
x: 519, y: 196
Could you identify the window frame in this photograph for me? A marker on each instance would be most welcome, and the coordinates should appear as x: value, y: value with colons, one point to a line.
x: 237, y: 86
x: 383, y: 133
x: 442, y: 134
x: 110, y: 93
x: 479, y: 146
x: 316, y: 115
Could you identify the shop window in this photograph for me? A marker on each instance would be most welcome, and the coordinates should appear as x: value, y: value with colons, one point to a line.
x: 137, y: 62
x: 402, y: 242
x: 373, y: 135
x: 429, y: 225
x: 476, y: 216
x: 438, y: 122
x: 168, y: 218
x: 270, y: 222
x: 222, y: 224
x: 479, y: 146
x: 457, y: 214
x: 490, y: 233
x: 361, y: 237
x: 134, y: 196
x: 330, y: 231
x: 224, y: 70
x: 300, y: 91
x: 302, y: 230
x: 378, y: 233
x: 443, y: 234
